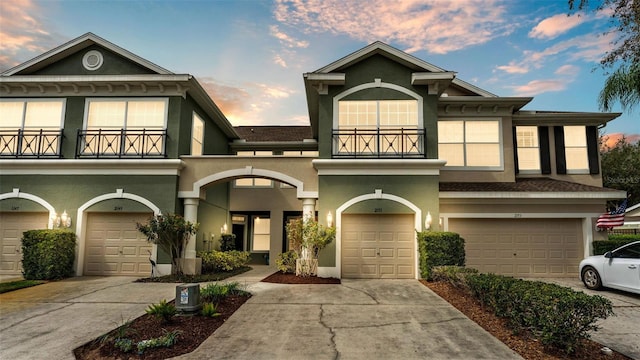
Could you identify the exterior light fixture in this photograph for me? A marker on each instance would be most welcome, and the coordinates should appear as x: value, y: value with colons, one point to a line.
x: 223, y: 229
x: 427, y: 221
x: 63, y: 220
x: 329, y: 219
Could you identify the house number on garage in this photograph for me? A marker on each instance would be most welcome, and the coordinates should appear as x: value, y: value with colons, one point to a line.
x: 117, y: 208
x: 517, y: 215
x: 15, y: 208
x: 377, y: 210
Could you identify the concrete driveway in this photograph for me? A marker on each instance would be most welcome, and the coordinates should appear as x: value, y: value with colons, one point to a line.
x: 359, y: 319
x: 356, y: 320
x: 620, y: 332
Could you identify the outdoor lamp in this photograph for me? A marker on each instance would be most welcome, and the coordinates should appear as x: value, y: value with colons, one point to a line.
x: 427, y: 221
x: 329, y: 219
x: 65, y: 219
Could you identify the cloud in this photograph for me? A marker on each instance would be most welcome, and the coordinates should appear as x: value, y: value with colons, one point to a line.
x: 248, y: 104
x: 23, y: 34
x: 610, y: 140
x: 513, y: 68
x: 287, y: 40
x: 567, y: 70
x: 278, y: 60
x: 438, y: 27
x: 536, y: 87
x: 556, y: 25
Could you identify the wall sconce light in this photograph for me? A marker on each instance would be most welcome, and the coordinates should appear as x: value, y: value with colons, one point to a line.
x: 223, y: 229
x: 63, y: 220
x: 427, y: 221
x: 329, y: 219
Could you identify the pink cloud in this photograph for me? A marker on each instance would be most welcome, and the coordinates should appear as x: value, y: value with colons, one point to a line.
x: 536, y: 87
x: 513, y: 68
x: 567, y: 70
x: 439, y: 26
x: 610, y: 140
x: 555, y: 25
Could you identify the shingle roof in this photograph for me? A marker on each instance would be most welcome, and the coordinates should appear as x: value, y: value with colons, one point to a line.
x: 522, y: 185
x: 274, y: 133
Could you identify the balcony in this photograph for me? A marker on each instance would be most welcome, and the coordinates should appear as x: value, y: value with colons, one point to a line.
x: 378, y: 143
x: 122, y: 143
x: 36, y: 143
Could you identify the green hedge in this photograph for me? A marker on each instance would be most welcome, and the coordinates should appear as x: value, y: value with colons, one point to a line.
x: 216, y: 261
x: 48, y: 254
x: 615, y: 241
x: 438, y: 249
x: 558, y: 316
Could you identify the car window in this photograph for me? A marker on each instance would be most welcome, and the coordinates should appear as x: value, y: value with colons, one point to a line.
x: 629, y: 252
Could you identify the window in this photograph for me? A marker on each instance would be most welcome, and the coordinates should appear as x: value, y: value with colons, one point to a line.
x: 300, y: 153
x: 528, y: 148
x: 124, y: 127
x: 378, y: 128
x: 575, y: 147
x: 197, y: 135
x: 31, y: 127
x: 261, y: 234
x: 253, y: 182
x: 470, y: 143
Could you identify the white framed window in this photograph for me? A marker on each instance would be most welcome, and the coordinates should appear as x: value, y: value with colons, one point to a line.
x: 197, y: 135
x: 29, y: 114
x: 253, y: 183
x: 575, y: 149
x: 131, y: 114
x: 528, y: 148
x: 470, y: 144
x: 261, y: 235
x: 302, y: 153
x: 254, y: 153
x: 378, y: 114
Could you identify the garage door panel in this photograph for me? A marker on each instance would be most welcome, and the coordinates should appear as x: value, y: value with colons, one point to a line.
x: 115, y: 246
x: 386, y: 244
x: 539, y: 247
x: 12, y: 225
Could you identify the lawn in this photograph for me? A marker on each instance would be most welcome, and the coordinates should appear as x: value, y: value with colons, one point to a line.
x: 18, y: 284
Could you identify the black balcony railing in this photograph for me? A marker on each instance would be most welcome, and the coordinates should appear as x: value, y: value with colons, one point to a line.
x: 36, y: 143
x: 378, y: 143
x: 122, y: 143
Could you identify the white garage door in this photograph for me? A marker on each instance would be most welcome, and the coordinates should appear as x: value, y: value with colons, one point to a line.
x: 378, y: 246
x: 114, y: 246
x: 12, y: 225
x: 522, y: 247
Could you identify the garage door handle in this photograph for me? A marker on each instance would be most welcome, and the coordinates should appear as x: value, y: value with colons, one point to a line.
x: 632, y: 267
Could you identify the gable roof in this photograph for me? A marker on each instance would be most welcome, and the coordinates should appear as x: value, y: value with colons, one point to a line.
x: 74, y: 46
x: 399, y: 56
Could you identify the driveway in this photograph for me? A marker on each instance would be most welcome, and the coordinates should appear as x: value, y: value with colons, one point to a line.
x: 366, y: 319
x: 620, y: 332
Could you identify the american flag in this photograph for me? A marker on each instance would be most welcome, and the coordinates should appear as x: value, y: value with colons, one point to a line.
x: 613, y: 218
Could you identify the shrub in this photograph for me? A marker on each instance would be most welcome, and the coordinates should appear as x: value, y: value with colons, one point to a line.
x: 166, y: 340
x: 615, y: 241
x: 48, y: 254
x: 227, y: 242
x: 210, y: 310
x: 439, y: 248
x: 162, y: 310
x: 215, y: 292
x: 455, y: 275
x: 215, y: 261
x: 558, y: 316
x: 286, y: 261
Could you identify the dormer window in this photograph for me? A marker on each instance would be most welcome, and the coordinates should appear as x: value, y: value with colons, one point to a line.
x: 378, y: 128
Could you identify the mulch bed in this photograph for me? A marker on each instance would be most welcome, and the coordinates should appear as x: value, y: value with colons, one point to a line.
x: 284, y: 278
x: 194, y: 330
x: 523, y: 344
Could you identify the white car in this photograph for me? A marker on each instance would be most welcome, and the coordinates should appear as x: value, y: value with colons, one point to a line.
x: 617, y: 269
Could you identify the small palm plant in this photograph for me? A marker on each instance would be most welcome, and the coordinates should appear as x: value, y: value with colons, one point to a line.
x: 162, y: 310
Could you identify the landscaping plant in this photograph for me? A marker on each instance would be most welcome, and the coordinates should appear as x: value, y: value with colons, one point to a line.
x: 162, y: 310
x: 48, y: 254
x: 171, y: 233
x: 209, y: 310
x: 306, y: 238
x: 214, y: 260
x: 439, y: 248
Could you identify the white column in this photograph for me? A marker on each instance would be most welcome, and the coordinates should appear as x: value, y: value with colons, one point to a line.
x: 191, y: 215
x: 308, y: 209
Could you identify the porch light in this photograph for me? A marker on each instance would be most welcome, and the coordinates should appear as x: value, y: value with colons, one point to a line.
x: 427, y: 221
x: 63, y: 220
x: 329, y: 219
x: 223, y: 229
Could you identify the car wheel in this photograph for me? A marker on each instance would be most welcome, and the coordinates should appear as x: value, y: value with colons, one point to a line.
x: 591, y: 278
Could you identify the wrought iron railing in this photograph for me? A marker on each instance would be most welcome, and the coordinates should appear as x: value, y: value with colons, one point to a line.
x: 378, y: 143
x: 26, y: 143
x: 122, y: 143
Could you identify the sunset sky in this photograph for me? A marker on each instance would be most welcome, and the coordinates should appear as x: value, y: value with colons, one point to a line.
x: 250, y: 55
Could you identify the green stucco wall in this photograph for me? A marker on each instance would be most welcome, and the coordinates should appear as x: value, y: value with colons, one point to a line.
x: 422, y: 191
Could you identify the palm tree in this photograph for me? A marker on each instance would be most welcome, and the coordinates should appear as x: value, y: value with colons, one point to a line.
x: 624, y: 86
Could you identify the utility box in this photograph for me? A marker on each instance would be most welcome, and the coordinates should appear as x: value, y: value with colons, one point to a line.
x: 188, y: 298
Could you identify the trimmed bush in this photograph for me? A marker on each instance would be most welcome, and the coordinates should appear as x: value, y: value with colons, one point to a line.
x: 286, y: 262
x: 438, y: 249
x: 615, y: 241
x: 48, y: 254
x: 216, y: 261
x: 454, y: 275
x: 227, y: 242
x: 559, y: 316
